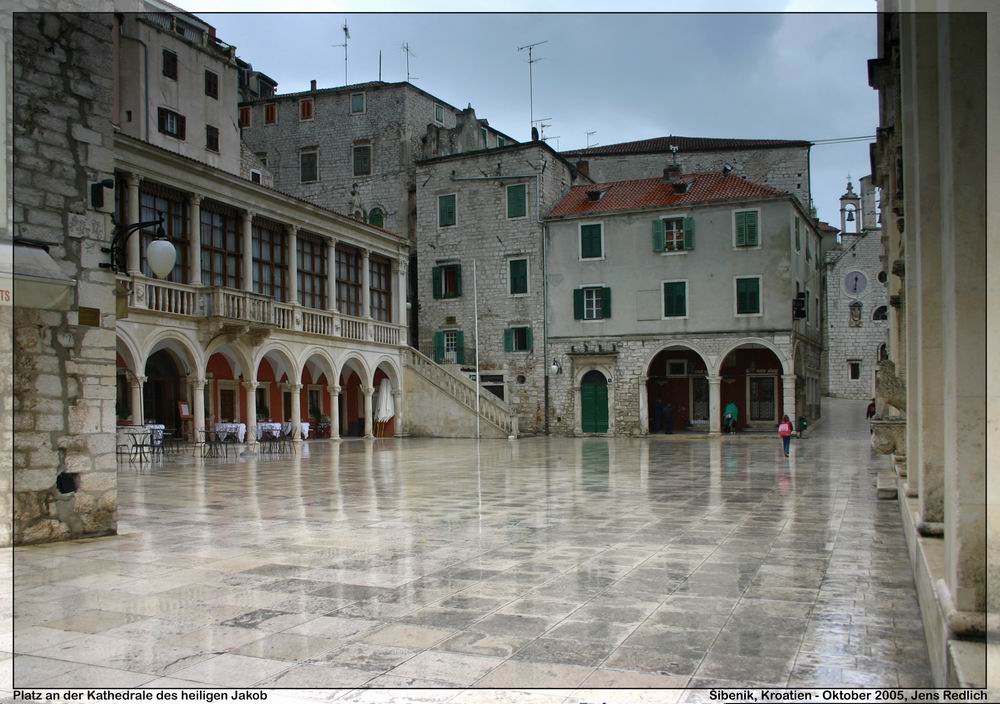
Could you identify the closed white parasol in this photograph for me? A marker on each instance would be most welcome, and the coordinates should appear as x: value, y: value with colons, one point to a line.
x: 384, y: 409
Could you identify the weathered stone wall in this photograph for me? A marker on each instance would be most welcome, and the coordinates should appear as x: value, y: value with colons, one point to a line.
x: 847, y: 341
x: 484, y: 233
x: 430, y: 412
x: 786, y: 168
x: 64, y: 373
x: 249, y: 162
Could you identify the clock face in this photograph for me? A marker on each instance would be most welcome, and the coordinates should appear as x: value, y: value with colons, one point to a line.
x: 855, y: 283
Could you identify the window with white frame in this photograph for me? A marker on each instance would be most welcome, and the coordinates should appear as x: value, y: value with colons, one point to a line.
x: 673, y: 229
x: 450, y: 344
x: 357, y: 103
x: 439, y: 114
x: 592, y: 300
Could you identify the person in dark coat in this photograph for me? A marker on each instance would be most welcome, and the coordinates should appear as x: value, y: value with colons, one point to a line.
x: 869, y: 414
x: 668, y: 419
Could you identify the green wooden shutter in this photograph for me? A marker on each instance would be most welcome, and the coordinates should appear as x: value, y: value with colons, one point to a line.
x: 659, y: 236
x: 741, y: 230
x: 518, y: 276
x: 605, y: 302
x: 674, y: 299
x: 458, y: 279
x: 590, y: 244
x: 436, y: 281
x: 460, y: 347
x: 578, y: 304
x: 508, y: 340
x: 439, y: 347
x: 446, y: 210
x: 528, y: 342
x: 517, y: 201
x: 751, y: 228
x: 688, y: 233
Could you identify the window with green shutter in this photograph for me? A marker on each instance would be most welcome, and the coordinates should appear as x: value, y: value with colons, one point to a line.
x: 591, y: 241
x: 747, y: 228
x: 518, y: 269
x: 674, y: 299
x: 592, y: 303
x: 659, y: 235
x: 446, y: 210
x: 446, y: 281
x: 357, y: 103
x: 517, y: 200
x: 449, y: 347
x: 517, y: 339
x: 748, y: 296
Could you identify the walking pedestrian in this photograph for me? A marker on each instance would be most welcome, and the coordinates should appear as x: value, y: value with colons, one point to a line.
x: 785, y: 433
x: 869, y: 414
x: 732, y: 415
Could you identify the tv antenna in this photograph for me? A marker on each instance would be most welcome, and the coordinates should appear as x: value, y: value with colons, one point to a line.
x: 531, y: 89
x: 542, y: 124
x: 406, y: 50
x: 347, y: 36
x: 589, y: 135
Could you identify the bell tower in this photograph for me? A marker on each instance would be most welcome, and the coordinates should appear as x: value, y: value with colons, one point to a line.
x: 850, y: 211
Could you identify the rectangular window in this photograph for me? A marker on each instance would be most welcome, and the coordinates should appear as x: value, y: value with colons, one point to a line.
x: 270, y: 113
x: 212, y: 84
x: 245, y: 116
x: 255, y: 176
x: 446, y: 210
x: 592, y: 241
x: 221, y: 246
x: 156, y: 201
x: 363, y: 160
x: 171, y: 123
x: 348, y: 280
x: 357, y: 103
x: 748, y: 295
x: 262, y: 156
x: 451, y: 346
x: 677, y: 367
x: 592, y: 304
x: 501, y: 142
x: 380, y: 284
x: 808, y: 305
x: 306, y: 109
x: 270, y: 263
x: 439, y: 114
x: 674, y: 299
x: 446, y: 281
x: 673, y: 234
x: 311, y: 253
x: 517, y: 339
x: 798, y: 236
x: 747, y: 228
x: 211, y: 138
x: 308, y: 167
x: 517, y: 201
x: 518, y: 280
x: 854, y: 369
x: 169, y: 64
x: 484, y: 133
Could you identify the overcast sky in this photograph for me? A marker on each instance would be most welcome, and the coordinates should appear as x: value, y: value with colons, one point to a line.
x: 626, y: 77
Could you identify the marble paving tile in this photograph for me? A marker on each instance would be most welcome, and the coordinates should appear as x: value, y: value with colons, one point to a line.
x: 365, y: 656
x: 407, y: 636
x: 334, y: 627
x: 104, y: 677
x: 522, y: 675
x: 288, y: 646
x: 567, y: 652
x: 34, y: 671
x: 91, y: 621
x: 456, y: 668
x: 33, y: 638
x: 229, y: 670
x: 476, y: 643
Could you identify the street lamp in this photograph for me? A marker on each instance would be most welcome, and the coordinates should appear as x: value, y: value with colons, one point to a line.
x: 160, y: 254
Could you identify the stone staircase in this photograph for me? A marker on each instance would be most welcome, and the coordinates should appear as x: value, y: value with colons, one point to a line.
x: 442, y: 404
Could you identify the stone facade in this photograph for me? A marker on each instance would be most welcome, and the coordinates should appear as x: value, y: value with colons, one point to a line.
x: 64, y: 406
x: 853, y: 334
x: 484, y: 233
x: 784, y: 168
x: 251, y: 166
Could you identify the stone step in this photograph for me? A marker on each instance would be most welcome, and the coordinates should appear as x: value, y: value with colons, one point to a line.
x: 886, y: 485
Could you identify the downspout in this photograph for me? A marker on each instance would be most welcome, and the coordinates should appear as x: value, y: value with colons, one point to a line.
x: 145, y: 83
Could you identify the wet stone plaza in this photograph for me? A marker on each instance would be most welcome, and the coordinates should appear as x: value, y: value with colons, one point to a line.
x: 558, y: 563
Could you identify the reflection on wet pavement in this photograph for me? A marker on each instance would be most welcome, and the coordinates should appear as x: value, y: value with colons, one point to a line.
x: 571, y: 563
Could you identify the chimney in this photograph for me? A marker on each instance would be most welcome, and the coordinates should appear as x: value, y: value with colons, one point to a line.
x: 672, y: 173
x: 312, y: 85
x: 534, y: 134
x: 583, y: 167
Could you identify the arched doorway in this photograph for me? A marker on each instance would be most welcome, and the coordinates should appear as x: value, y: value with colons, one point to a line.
x: 317, y: 379
x: 353, y: 379
x: 386, y: 400
x: 163, y: 389
x: 677, y: 390
x: 752, y: 380
x: 594, y: 402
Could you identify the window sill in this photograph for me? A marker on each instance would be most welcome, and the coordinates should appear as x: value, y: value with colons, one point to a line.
x: 737, y: 248
x: 674, y: 317
x: 671, y: 254
x: 749, y: 315
x: 592, y: 259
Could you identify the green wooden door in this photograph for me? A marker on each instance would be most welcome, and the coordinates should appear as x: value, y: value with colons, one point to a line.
x: 594, y: 403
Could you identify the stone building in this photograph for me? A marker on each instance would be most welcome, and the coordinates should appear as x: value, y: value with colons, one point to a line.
x: 354, y: 148
x: 486, y: 206
x: 929, y: 161
x: 678, y: 290
x: 779, y: 163
x: 857, y: 298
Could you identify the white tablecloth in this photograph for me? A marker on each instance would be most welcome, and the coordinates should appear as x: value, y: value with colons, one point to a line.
x: 286, y: 429
x: 239, y: 428
x: 283, y: 428
x: 268, y: 428
x: 156, y: 429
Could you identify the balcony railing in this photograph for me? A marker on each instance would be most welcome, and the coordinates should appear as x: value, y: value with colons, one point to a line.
x: 204, y: 302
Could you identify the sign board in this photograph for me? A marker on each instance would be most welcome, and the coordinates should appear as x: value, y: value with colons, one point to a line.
x: 90, y: 317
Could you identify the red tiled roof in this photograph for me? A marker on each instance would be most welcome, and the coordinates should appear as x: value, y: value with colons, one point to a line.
x: 684, y: 144
x: 649, y: 193
x: 827, y: 227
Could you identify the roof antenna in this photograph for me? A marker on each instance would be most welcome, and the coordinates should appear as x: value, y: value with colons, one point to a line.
x: 347, y: 35
x: 673, y: 151
x: 589, y: 135
x: 531, y: 89
x: 406, y: 50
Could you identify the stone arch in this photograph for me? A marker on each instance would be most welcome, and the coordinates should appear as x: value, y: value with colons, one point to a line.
x: 674, y: 399
x: 759, y: 384
x: 786, y: 364
x: 180, y: 346
x: 237, y: 356
x: 391, y: 370
x: 281, y: 359
x: 578, y: 376
x: 387, y: 368
x: 357, y: 364
x: 128, y: 350
x: 326, y: 364
x: 355, y: 417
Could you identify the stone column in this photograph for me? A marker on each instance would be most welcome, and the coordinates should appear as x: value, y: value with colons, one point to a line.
x: 788, y: 398
x: 296, y: 390
x: 366, y: 294
x: 334, y: 412
x: 137, y: 410
x: 331, y: 275
x: 251, y: 389
x: 198, y: 406
x: 369, y: 392
x: 714, y: 404
x: 133, y: 258
x: 247, y: 220
x: 397, y: 404
x: 643, y: 394
x: 397, y: 305
x: 194, y: 220
x: 293, y: 264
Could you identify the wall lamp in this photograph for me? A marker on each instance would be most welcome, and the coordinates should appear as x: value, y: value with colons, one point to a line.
x: 556, y: 368
x: 160, y: 254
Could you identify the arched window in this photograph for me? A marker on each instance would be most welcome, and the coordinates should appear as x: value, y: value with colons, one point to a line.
x: 883, y: 353
x: 376, y: 217
x: 881, y: 313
